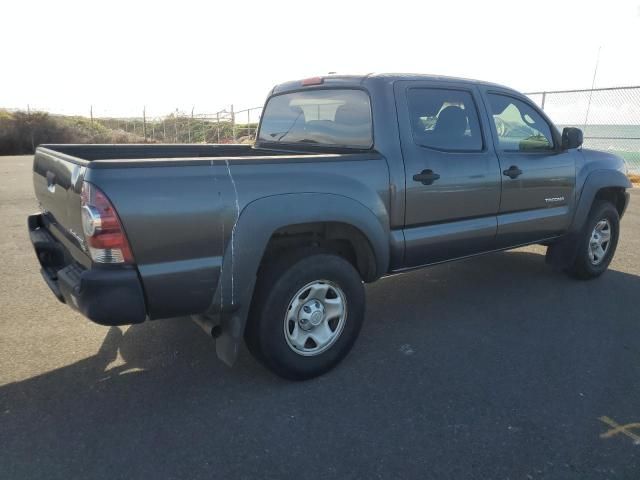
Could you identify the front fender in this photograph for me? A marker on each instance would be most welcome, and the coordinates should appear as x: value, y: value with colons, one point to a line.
x: 595, y: 181
x: 562, y: 254
x: 250, y: 236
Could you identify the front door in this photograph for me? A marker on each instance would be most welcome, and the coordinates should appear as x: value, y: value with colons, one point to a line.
x: 538, y: 177
x: 452, y: 172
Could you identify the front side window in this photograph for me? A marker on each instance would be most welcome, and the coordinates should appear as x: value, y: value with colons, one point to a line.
x: 332, y: 117
x: 444, y: 119
x: 519, y: 126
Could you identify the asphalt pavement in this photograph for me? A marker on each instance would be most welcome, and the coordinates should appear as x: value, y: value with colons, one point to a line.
x: 495, y: 367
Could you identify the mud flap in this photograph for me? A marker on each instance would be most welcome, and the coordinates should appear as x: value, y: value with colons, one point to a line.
x: 562, y: 254
x: 231, y: 334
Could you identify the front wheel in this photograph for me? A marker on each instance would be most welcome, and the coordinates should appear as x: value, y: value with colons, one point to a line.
x: 598, y: 241
x: 306, y: 314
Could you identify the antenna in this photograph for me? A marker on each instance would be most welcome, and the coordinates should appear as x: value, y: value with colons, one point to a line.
x: 593, y: 84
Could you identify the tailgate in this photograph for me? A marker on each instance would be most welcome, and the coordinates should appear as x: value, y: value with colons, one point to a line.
x: 57, y: 181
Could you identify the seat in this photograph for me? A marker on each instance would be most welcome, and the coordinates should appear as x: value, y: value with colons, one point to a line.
x: 452, y: 122
x: 449, y: 130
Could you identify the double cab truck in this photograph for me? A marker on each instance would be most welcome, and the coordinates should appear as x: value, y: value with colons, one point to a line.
x: 351, y: 178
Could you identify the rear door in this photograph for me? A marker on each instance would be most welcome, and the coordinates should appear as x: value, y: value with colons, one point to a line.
x: 451, y: 170
x: 538, y: 177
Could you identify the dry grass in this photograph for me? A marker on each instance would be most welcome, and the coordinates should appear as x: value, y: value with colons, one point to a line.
x: 635, y: 179
x: 21, y: 132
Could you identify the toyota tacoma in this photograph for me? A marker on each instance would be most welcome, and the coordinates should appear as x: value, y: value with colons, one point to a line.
x: 351, y: 178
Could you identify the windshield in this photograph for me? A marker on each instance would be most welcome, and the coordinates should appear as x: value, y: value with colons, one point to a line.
x: 324, y: 117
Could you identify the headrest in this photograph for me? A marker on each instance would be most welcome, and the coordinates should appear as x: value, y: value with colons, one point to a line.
x: 451, y: 121
x: 353, y: 114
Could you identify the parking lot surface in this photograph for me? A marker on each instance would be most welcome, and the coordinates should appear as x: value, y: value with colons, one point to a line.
x: 494, y: 367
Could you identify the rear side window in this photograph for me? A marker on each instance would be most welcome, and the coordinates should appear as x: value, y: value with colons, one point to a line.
x: 519, y: 126
x: 332, y: 117
x: 444, y: 119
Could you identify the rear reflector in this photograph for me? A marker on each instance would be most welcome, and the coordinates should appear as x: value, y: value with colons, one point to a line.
x: 312, y: 81
x: 103, y: 231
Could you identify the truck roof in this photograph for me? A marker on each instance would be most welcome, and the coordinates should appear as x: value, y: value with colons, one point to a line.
x: 359, y: 80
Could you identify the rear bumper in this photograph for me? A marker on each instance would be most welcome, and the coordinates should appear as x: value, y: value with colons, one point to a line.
x: 106, y: 295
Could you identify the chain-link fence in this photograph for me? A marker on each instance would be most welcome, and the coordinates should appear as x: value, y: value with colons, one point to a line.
x: 224, y: 126
x: 609, y: 118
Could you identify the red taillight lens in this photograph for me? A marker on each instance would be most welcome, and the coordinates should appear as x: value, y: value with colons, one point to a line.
x: 103, y: 231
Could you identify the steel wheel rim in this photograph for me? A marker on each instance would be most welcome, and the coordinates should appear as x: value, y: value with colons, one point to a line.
x: 315, y: 318
x: 600, y: 241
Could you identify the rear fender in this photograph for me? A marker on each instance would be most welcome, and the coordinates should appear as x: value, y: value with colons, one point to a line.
x: 250, y: 237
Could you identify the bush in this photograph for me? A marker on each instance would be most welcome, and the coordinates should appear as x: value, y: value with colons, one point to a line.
x: 21, y: 132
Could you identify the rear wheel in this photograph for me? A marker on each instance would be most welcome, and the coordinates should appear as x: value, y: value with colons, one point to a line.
x: 306, y: 314
x: 597, y: 242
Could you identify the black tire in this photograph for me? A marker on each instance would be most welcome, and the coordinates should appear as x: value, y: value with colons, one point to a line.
x: 277, y: 284
x: 583, y: 268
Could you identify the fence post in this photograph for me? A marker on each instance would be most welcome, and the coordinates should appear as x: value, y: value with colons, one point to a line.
x: 144, y: 123
x: 91, y: 112
x: 191, y: 120
x: 218, y: 125
x: 249, y: 122
x: 31, y: 134
x: 175, y: 123
x: 233, y: 124
x: 544, y: 97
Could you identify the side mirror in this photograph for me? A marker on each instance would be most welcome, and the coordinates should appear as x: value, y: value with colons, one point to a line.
x: 571, y: 137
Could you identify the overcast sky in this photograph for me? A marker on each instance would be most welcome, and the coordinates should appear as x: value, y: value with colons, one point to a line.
x: 65, y: 55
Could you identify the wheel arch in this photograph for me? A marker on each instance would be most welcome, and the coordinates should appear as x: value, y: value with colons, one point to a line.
x: 336, y: 217
x: 609, y: 185
x: 600, y: 184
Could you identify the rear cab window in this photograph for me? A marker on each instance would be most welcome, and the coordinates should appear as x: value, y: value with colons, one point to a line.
x: 323, y: 117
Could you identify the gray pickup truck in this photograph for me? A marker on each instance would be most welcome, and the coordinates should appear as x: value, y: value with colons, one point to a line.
x: 351, y: 178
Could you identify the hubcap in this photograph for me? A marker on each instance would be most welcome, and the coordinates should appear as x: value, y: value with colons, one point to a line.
x: 599, y: 242
x: 315, y: 318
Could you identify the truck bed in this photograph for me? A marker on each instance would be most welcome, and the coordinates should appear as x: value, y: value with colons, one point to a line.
x: 178, y: 204
x: 109, y: 156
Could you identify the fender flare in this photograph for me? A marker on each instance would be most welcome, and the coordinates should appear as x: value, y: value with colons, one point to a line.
x: 595, y: 181
x: 562, y: 254
x: 251, y: 233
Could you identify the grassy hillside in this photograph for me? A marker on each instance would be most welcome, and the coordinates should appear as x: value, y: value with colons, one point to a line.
x: 21, y: 132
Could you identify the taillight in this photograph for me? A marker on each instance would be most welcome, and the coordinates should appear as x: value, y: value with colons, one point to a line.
x: 312, y: 81
x: 103, y: 231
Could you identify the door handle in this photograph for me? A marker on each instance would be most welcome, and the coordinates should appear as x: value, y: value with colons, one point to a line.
x: 427, y: 177
x: 513, y: 172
